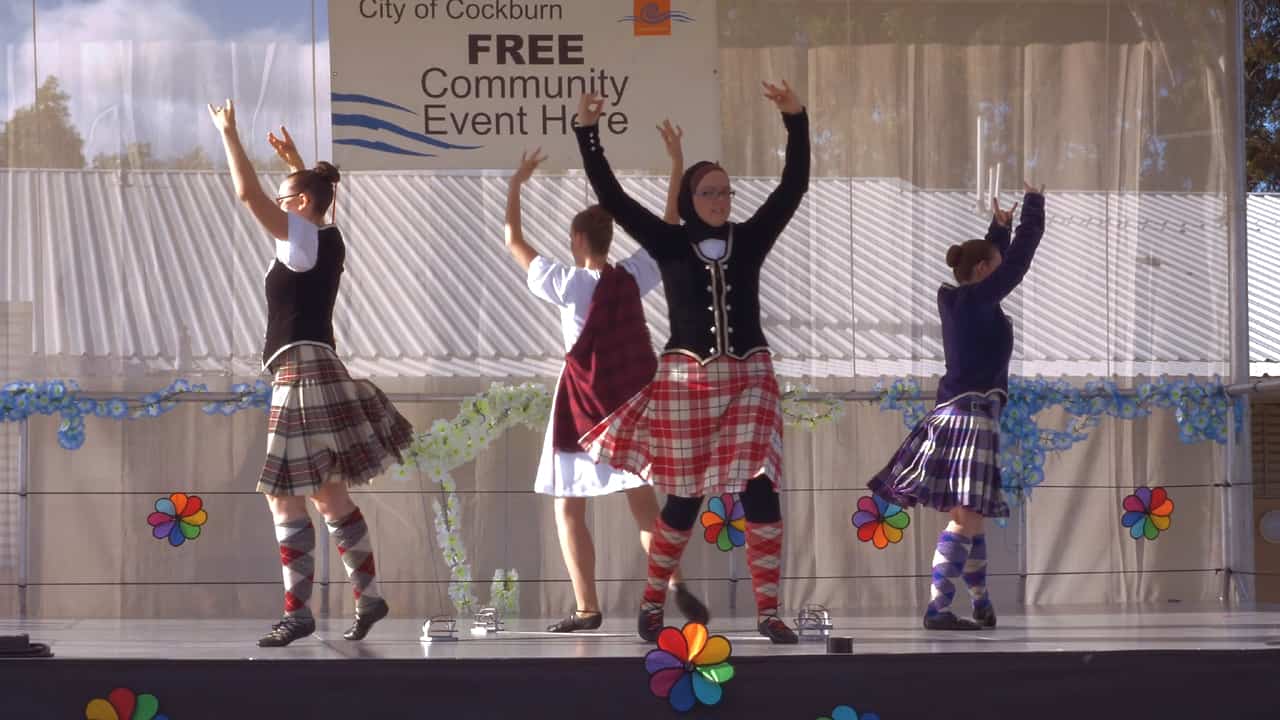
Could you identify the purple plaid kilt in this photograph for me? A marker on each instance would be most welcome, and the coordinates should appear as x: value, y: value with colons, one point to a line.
x: 950, y: 459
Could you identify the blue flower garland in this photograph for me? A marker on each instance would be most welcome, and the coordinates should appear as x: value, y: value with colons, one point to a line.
x: 1201, y: 409
x: 21, y: 400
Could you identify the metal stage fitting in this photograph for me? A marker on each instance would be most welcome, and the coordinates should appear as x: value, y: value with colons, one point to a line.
x: 813, y: 622
x: 441, y: 628
x: 486, y: 622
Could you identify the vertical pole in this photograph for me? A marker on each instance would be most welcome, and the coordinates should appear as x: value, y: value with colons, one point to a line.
x: 323, y: 569
x: 1022, y: 554
x: 977, y: 184
x: 733, y: 583
x: 1237, y: 516
x: 24, y: 514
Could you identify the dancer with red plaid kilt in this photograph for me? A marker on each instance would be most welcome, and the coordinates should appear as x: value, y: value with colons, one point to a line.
x: 609, y: 358
x: 711, y: 420
x: 950, y: 461
x: 326, y: 432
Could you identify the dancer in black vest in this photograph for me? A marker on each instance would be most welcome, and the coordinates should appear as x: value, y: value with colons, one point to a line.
x: 326, y: 432
x: 711, y: 421
x: 609, y: 357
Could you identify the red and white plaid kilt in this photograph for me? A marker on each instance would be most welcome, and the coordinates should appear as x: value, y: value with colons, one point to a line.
x: 326, y: 427
x: 697, y: 429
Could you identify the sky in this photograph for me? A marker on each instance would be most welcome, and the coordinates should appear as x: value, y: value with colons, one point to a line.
x: 143, y: 71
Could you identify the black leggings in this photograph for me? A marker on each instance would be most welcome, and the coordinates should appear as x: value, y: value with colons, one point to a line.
x: 759, y: 505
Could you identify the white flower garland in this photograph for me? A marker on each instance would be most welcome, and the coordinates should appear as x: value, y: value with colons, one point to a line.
x: 451, y: 443
x: 808, y: 414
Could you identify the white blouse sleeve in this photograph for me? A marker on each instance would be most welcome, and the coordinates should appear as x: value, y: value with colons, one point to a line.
x: 550, y: 280
x: 300, y: 251
x: 643, y: 268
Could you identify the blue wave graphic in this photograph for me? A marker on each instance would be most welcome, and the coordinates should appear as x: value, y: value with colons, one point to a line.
x: 673, y: 15
x: 372, y: 123
x: 380, y: 147
x: 368, y: 100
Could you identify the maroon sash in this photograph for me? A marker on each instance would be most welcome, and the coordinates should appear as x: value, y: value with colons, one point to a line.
x: 612, y: 360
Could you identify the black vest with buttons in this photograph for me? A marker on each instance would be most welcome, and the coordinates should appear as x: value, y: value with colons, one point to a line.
x: 713, y: 304
x: 300, y: 304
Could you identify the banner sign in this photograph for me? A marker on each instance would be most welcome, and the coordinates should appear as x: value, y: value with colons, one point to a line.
x: 469, y: 84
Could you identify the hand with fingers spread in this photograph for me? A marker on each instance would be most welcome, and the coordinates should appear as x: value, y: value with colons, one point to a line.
x: 673, y: 138
x: 286, y: 149
x: 224, y: 117
x: 590, y: 107
x: 784, y: 97
x: 1002, y: 217
x: 528, y: 163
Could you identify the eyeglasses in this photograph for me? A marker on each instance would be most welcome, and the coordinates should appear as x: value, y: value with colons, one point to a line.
x: 282, y: 198
x: 718, y: 194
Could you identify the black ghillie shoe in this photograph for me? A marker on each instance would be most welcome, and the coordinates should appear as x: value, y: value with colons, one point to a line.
x: 986, y: 617
x: 949, y: 621
x: 289, y: 628
x: 579, y: 620
x: 366, y: 618
x: 777, y: 631
x: 649, y: 624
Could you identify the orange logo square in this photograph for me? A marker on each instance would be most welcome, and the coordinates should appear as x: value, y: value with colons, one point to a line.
x: 652, y: 17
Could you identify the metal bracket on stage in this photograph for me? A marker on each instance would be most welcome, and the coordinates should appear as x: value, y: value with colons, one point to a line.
x: 813, y: 622
x: 486, y: 622
x: 441, y: 628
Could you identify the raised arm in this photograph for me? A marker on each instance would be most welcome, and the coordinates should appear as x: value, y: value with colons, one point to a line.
x: 1017, y: 260
x: 773, y: 216
x: 672, y: 138
x: 648, y: 229
x: 1000, y: 231
x: 522, y: 251
x: 248, y: 189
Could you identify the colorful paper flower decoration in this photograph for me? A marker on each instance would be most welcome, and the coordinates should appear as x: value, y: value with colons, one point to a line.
x: 1147, y: 513
x: 178, y: 517
x: 688, y: 667
x: 123, y: 704
x: 844, y: 712
x: 879, y: 522
x: 723, y: 523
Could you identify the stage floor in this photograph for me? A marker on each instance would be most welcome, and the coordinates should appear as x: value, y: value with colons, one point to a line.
x: 1172, y: 662
x: 1088, y: 630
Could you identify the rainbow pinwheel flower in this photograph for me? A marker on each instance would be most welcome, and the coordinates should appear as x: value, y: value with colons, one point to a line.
x: 879, y: 522
x: 178, y: 517
x: 688, y: 667
x: 723, y: 523
x: 1147, y: 513
x: 844, y: 712
x: 123, y: 704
